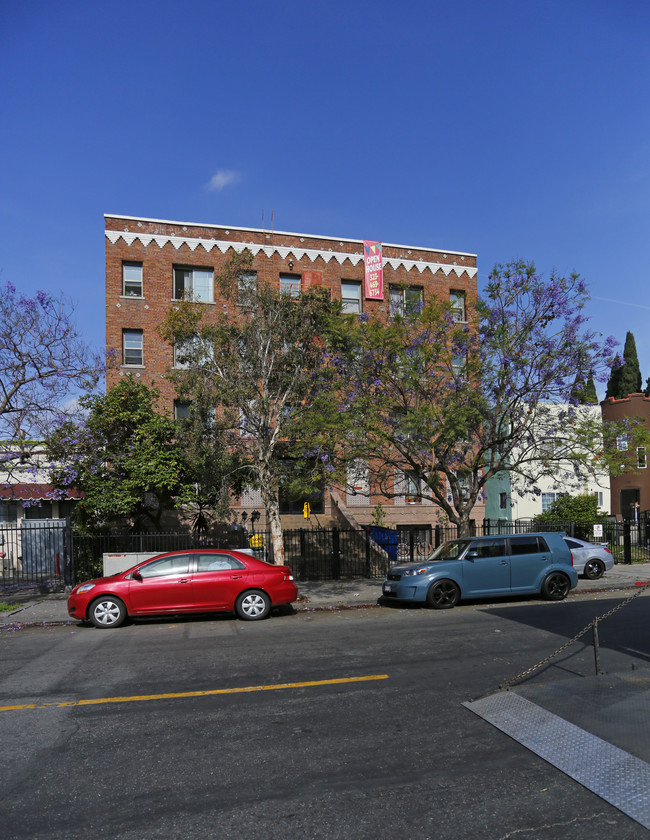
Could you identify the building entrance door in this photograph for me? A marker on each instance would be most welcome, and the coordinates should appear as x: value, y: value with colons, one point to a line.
x: 630, y: 504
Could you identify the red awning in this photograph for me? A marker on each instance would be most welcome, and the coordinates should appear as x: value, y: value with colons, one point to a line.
x: 34, y: 492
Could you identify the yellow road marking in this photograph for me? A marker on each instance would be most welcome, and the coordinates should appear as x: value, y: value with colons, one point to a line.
x: 247, y: 689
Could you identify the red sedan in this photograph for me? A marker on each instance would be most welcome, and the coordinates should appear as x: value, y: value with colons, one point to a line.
x: 198, y: 580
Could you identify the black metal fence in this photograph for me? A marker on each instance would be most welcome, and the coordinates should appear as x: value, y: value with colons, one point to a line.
x: 49, y: 555
x: 628, y: 541
x: 89, y: 550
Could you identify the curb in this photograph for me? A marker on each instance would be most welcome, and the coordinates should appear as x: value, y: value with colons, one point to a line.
x: 302, y: 606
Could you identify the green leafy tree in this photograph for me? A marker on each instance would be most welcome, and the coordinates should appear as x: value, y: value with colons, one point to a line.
x: 256, y: 362
x: 123, y: 456
x: 211, y: 469
x: 566, y: 508
x: 626, y: 378
x: 446, y: 405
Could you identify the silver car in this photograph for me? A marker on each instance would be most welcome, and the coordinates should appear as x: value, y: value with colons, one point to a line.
x: 590, y: 560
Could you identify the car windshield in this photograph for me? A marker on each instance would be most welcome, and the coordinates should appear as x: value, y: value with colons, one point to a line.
x: 450, y: 550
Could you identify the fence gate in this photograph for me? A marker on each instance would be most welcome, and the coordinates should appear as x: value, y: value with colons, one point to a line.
x: 36, y: 552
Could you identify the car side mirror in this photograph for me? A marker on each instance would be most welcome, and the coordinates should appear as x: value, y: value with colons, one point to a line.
x: 471, y: 555
x: 136, y: 575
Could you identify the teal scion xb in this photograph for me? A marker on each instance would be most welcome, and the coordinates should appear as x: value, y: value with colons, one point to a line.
x: 486, y: 567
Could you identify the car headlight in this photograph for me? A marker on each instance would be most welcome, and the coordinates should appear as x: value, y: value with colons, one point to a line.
x: 86, y: 587
x: 410, y: 572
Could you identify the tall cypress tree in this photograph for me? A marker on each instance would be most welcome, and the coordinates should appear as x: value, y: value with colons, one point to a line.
x: 626, y: 379
x: 584, y: 391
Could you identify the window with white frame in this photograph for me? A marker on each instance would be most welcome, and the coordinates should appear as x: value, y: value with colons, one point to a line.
x: 193, y: 349
x: 246, y: 283
x: 548, y: 499
x: 132, y: 348
x: 457, y: 301
x: 405, y: 300
x: 132, y: 279
x: 290, y: 284
x: 458, y: 361
x: 195, y: 284
x: 358, y: 483
x: 641, y: 458
x: 413, y: 489
x: 351, y: 296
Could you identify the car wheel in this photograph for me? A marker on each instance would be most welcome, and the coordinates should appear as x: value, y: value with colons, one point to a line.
x: 556, y: 586
x: 594, y: 569
x: 253, y: 605
x: 443, y: 595
x: 107, y: 612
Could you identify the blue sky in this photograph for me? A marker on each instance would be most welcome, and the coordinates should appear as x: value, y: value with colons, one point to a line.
x: 507, y: 129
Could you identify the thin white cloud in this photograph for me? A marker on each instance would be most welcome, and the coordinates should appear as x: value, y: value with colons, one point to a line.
x: 621, y: 302
x: 221, y: 179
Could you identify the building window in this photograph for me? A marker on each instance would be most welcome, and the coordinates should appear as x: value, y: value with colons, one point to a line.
x: 413, y: 492
x: 351, y: 296
x: 548, y: 499
x: 405, y: 300
x: 599, y: 498
x: 181, y: 410
x: 503, y: 501
x: 132, y: 347
x: 194, y: 284
x: 246, y: 284
x: 132, y: 279
x: 193, y: 350
x: 290, y: 284
x: 621, y: 443
x: 358, y: 483
x: 458, y: 361
x: 42, y: 510
x: 66, y: 508
x: 641, y: 458
x: 457, y: 301
x: 8, y: 513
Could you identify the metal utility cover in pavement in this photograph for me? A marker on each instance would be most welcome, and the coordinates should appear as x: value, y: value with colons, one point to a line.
x: 613, y: 774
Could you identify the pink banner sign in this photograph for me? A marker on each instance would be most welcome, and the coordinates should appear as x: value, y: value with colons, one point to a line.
x: 374, y: 272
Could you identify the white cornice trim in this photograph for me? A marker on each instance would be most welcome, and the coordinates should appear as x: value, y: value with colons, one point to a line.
x: 267, y: 231
x: 282, y: 250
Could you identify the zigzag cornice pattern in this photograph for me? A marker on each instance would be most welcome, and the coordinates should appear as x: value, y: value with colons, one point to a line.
x: 283, y: 251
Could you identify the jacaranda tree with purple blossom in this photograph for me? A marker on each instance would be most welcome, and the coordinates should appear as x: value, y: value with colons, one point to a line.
x: 44, y: 365
x: 441, y: 406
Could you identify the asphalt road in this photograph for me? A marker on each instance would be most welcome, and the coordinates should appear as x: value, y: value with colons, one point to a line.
x: 396, y: 755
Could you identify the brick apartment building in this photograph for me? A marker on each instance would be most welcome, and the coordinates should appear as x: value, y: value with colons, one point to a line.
x: 150, y: 263
x: 630, y: 491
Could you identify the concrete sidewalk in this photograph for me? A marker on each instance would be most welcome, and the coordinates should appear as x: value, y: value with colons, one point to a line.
x: 31, y: 608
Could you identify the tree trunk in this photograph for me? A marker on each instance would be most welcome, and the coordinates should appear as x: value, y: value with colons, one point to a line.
x: 272, y: 506
x: 464, y: 526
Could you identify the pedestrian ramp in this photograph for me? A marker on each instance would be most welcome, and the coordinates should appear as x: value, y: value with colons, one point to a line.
x: 594, y: 729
